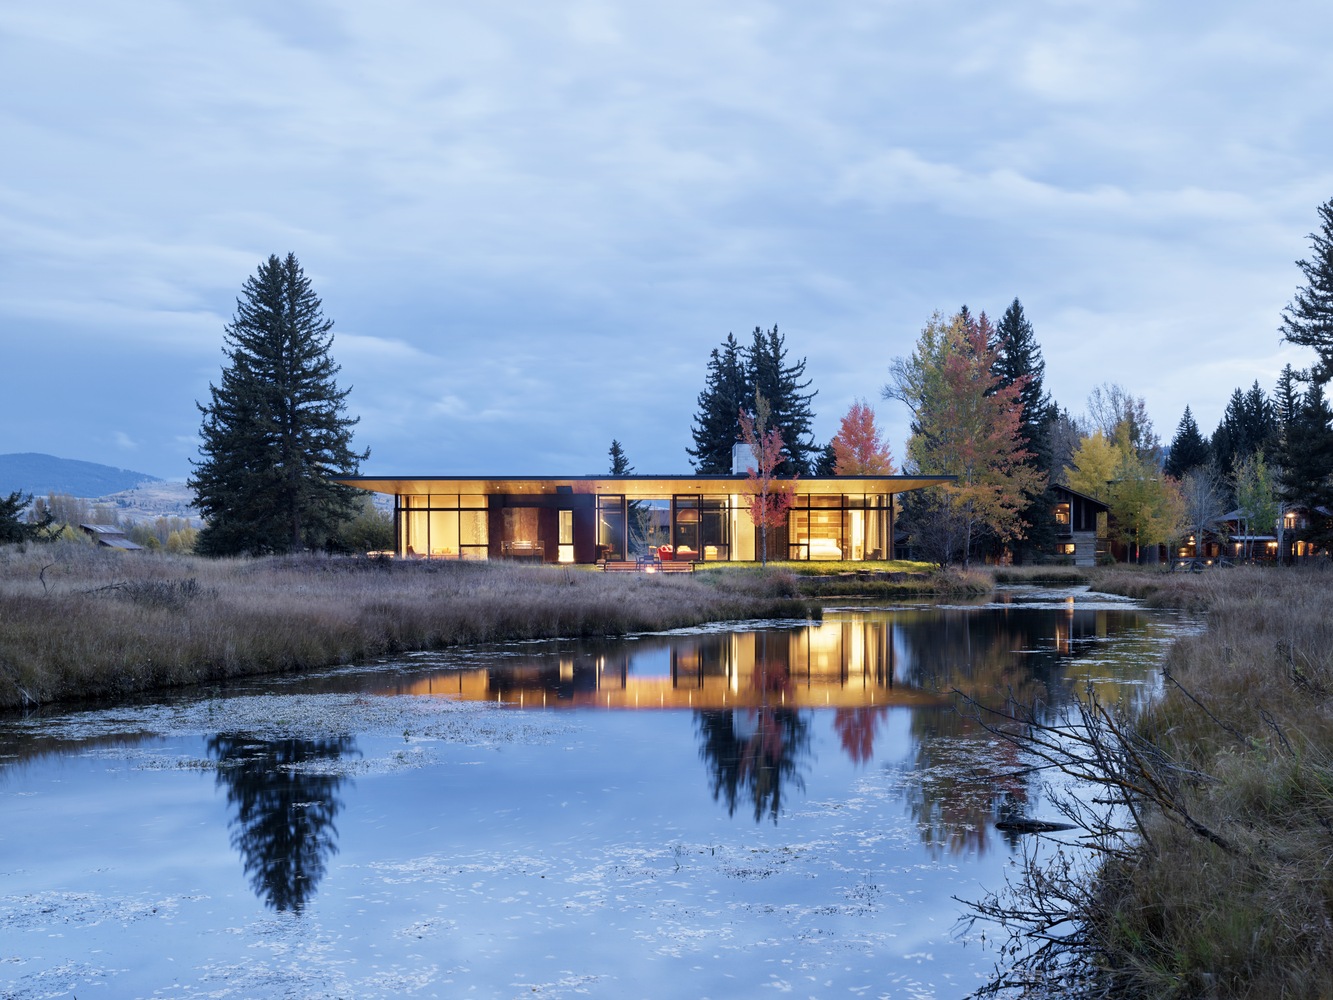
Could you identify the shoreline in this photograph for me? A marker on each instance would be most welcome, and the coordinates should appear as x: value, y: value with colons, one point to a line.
x: 79, y: 624
x: 1222, y: 887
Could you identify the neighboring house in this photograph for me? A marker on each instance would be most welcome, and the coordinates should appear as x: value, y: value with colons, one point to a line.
x: 1080, y: 526
x: 586, y: 519
x: 1240, y: 541
x: 110, y: 536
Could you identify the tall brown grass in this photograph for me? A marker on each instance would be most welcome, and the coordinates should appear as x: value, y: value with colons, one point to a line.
x: 78, y: 622
x: 1227, y: 889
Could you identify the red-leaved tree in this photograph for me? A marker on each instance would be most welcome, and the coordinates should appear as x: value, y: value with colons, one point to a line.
x: 859, y: 449
x: 770, y: 497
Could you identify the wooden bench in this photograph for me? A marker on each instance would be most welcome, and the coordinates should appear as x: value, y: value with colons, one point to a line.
x: 675, y: 566
x: 645, y: 566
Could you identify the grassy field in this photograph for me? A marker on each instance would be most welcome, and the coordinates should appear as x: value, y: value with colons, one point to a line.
x: 1226, y: 890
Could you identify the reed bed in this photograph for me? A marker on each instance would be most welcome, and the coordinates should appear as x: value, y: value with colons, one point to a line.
x: 78, y: 622
x: 1228, y: 892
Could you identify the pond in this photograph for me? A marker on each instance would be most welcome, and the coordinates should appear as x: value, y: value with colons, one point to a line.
x: 765, y: 807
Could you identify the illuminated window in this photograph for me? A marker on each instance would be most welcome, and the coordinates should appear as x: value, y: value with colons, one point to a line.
x: 565, y: 546
x: 1062, y: 514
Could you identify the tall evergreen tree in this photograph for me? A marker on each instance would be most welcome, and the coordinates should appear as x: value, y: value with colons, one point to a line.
x: 1248, y: 425
x: 14, y: 527
x: 1189, y: 450
x: 1308, y: 318
x: 789, y: 404
x: 1307, y: 465
x: 735, y: 374
x: 1018, y: 362
x: 275, y: 431
x: 1287, y: 397
x: 619, y: 463
x: 717, y: 425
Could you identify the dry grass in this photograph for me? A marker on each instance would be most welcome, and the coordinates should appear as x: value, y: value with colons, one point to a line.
x: 82, y: 623
x: 1246, y: 723
x: 896, y: 579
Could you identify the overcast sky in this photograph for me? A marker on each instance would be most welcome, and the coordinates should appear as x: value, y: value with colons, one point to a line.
x: 530, y: 222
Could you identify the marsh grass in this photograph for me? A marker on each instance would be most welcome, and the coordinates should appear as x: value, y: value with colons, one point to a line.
x: 1226, y: 887
x: 1043, y: 576
x: 895, y: 579
x: 77, y: 622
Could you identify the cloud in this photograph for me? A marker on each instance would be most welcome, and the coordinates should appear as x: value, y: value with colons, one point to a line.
x: 531, y: 224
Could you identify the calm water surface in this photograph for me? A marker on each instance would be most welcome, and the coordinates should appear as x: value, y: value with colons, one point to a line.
x: 785, y: 809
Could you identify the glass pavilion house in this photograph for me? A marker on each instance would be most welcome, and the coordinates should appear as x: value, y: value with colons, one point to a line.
x: 588, y: 519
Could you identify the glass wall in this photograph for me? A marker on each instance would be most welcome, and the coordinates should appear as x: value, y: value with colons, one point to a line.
x: 611, y: 528
x: 442, y: 526
x: 820, y: 527
x: 850, y: 527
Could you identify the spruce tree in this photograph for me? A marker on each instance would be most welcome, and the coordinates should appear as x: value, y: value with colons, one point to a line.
x: 1248, y: 425
x: 717, y: 425
x: 1189, y: 450
x: 1306, y: 478
x: 1308, y: 318
x: 1287, y: 397
x: 1019, y: 361
x: 275, y: 431
x: 781, y: 385
x: 619, y: 463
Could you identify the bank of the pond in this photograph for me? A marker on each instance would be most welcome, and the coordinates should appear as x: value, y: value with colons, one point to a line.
x: 80, y: 623
x: 886, y: 580
x: 1233, y: 897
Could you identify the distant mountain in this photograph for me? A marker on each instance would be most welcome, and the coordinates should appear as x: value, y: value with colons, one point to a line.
x: 39, y: 475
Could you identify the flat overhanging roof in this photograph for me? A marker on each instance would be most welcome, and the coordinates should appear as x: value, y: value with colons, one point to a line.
x: 633, y: 486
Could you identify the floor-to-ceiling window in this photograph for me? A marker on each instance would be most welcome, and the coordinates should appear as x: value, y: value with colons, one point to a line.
x: 442, y: 526
x: 611, y: 528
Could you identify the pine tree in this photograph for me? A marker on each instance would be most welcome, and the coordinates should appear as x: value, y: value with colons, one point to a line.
x: 827, y: 463
x: 735, y: 374
x: 1307, y: 465
x: 1308, y: 318
x: 1287, y: 397
x: 14, y: 527
x: 275, y: 432
x: 619, y: 463
x: 717, y: 427
x: 1018, y: 361
x: 1248, y: 425
x: 789, y: 405
x: 1189, y: 450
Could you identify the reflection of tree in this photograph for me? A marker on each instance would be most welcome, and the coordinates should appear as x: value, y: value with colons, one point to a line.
x: 856, y: 728
x: 283, y: 827
x: 755, y: 751
x: 963, y: 782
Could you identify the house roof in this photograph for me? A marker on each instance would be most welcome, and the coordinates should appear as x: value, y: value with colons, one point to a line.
x: 1059, y: 487
x: 631, y: 486
x: 110, y: 536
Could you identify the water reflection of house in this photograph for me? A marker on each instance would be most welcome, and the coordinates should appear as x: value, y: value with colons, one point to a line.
x: 584, y: 519
x: 838, y: 664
